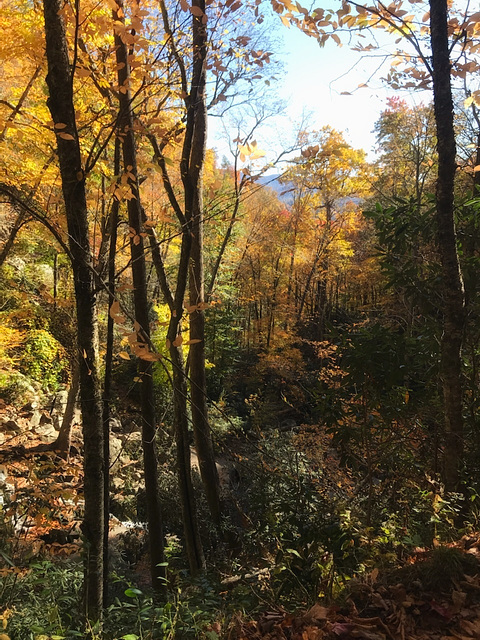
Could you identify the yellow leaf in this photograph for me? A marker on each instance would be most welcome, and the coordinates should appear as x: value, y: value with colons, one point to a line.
x: 124, y: 355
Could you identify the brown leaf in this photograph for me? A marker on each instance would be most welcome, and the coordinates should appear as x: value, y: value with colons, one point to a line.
x: 178, y: 341
x: 315, y: 613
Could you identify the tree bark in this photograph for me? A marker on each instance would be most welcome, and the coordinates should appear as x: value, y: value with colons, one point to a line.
x: 193, y: 543
x: 62, y: 443
x: 61, y: 106
x: 453, y: 291
x: 197, y: 115
x: 17, y: 225
x: 107, y: 381
x: 142, y: 327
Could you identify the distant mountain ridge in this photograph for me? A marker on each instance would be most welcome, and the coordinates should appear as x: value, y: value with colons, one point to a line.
x: 283, y: 191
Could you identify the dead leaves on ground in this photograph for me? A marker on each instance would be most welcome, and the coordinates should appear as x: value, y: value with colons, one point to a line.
x: 391, y: 613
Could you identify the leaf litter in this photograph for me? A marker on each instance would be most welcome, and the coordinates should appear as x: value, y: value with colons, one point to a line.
x: 382, y: 608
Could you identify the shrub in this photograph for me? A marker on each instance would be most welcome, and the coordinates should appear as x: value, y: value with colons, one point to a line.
x: 44, y: 359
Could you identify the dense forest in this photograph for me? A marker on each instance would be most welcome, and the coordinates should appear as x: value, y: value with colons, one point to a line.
x: 239, y: 395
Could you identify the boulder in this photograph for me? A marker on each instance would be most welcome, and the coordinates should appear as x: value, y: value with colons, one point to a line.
x: 11, y: 427
x: 116, y: 446
x: 47, y: 432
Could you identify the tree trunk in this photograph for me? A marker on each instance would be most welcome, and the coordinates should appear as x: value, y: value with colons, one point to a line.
x: 453, y: 291
x: 17, y: 225
x: 60, y: 104
x: 62, y: 443
x: 193, y: 543
x: 107, y: 382
x: 197, y: 117
x: 139, y: 273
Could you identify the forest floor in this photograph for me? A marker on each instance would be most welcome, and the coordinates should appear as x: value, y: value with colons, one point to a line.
x: 434, y: 596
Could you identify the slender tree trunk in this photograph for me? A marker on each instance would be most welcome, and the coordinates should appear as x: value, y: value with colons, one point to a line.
x: 11, y: 118
x: 453, y: 291
x: 139, y: 273
x: 107, y: 384
x: 198, y: 386
x: 17, y: 225
x: 60, y: 104
x: 62, y: 443
x: 193, y: 543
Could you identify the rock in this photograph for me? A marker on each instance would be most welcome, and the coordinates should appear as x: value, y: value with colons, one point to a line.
x: 45, y: 419
x: 58, y: 408
x: 10, y: 426
x: 133, y: 436
x: 118, y: 483
x: 29, y: 407
x: 116, y: 446
x: 115, y: 425
x: 34, y: 418
x: 47, y: 432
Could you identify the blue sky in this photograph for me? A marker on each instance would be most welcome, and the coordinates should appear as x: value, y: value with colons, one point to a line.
x: 313, y: 82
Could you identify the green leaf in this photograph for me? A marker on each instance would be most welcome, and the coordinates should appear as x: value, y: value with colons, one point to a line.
x: 133, y: 593
x: 129, y: 636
